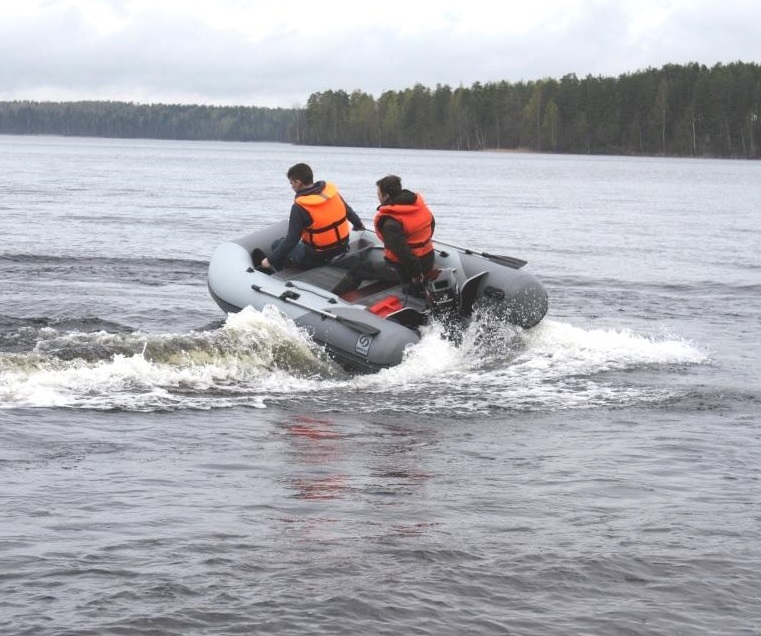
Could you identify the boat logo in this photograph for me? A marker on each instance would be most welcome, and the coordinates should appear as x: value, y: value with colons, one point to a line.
x: 363, y: 344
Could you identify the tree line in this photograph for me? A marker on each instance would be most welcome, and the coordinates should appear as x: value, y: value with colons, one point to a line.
x: 687, y: 110
x: 153, y: 121
x: 677, y: 110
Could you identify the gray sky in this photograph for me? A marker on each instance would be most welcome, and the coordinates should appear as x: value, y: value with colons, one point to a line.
x: 277, y: 53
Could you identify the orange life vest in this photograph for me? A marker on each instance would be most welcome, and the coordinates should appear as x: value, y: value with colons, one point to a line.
x: 417, y: 222
x: 330, y: 227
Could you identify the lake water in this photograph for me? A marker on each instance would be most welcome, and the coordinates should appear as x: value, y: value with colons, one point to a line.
x: 167, y: 469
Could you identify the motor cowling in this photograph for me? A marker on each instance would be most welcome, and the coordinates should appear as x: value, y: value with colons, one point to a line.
x: 441, y: 291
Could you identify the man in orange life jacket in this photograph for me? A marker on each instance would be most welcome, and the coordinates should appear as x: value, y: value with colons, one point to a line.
x: 405, y: 225
x: 318, y: 227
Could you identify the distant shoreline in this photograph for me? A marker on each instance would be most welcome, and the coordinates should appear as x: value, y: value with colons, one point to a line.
x: 512, y: 151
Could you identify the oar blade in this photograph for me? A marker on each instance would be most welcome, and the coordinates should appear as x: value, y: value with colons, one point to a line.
x: 361, y: 327
x: 508, y: 261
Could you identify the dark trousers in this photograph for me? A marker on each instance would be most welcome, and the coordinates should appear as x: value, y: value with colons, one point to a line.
x: 386, y: 271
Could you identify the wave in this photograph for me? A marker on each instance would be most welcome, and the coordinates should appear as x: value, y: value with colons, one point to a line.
x: 155, y: 271
x: 260, y: 358
x: 99, y: 260
x: 729, y: 288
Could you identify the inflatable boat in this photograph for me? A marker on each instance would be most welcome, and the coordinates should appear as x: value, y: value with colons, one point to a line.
x: 370, y: 328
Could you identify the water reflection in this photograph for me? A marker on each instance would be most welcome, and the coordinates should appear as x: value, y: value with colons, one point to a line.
x: 317, y: 447
x: 364, y: 478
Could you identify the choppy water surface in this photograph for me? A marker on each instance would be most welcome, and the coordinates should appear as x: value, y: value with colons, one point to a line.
x: 167, y: 469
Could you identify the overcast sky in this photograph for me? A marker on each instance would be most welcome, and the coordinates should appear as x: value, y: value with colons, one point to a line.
x: 278, y: 52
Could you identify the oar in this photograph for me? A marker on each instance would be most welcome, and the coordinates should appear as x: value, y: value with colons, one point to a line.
x: 509, y: 261
x: 330, y: 297
x: 288, y: 297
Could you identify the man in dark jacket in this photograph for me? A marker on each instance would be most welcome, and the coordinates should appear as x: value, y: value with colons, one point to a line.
x: 405, y: 225
x: 318, y: 226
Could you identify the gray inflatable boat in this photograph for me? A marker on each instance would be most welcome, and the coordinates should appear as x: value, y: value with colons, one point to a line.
x: 369, y: 329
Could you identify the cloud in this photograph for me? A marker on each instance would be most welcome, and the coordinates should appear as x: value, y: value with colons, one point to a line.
x: 277, y: 54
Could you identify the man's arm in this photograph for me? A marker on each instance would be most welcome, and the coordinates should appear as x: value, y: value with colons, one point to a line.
x: 292, y: 238
x: 353, y: 217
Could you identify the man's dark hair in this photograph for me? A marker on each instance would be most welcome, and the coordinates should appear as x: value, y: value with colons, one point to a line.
x: 302, y: 172
x: 390, y: 185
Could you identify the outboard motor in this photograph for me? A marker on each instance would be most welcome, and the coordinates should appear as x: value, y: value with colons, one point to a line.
x: 441, y: 292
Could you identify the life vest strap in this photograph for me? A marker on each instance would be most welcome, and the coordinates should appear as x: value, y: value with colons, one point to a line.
x: 334, y: 227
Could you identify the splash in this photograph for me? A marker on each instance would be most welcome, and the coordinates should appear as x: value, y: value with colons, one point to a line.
x: 564, y: 349
x: 553, y: 366
x: 253, y: 355
x: 259, y: 358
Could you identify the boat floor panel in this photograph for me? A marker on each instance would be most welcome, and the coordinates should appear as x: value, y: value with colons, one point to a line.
x: 324, y: 277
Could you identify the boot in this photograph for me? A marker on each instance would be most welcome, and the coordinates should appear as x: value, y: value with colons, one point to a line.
x: 258, y: 256
x: 346, y: 284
